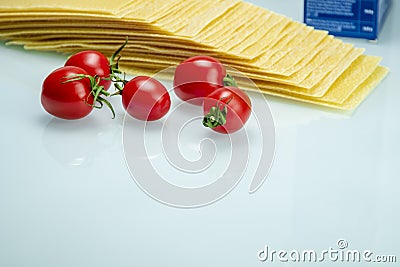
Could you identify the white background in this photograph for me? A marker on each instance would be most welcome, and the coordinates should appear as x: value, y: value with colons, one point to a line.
x: 67, y: 198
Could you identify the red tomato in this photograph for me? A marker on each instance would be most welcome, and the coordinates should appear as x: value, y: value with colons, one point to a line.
x: 145, y: 98
x: 235, y: 102
x: 197, y: 77
x: 67, y: 100
x: 94, y: 62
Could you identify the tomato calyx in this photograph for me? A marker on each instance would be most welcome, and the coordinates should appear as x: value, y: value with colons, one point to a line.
x: 229, y: 81
x: 217, y: 114
x: 97, y: 91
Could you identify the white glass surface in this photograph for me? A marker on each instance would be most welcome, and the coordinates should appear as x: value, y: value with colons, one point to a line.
x: 67, y: 197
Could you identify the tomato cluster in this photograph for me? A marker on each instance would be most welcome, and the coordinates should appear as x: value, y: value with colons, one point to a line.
x: 202, y: 80
x: 72, y: 91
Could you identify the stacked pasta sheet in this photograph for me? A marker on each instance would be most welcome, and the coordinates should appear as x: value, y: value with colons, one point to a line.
x: 283, y: 57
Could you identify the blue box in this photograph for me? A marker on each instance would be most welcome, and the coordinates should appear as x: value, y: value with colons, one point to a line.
x: 348, y: 18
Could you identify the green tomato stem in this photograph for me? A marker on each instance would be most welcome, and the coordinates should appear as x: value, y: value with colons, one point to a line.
x: 97, y: 91
x: 118, y: 82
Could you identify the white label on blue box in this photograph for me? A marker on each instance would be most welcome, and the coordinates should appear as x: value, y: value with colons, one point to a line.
x: 349, y: 18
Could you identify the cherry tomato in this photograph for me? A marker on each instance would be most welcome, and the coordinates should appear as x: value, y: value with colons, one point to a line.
x: 145, y: 98
x: 94, y: 62
x: 67, y: 100
x: 232, y: 103
x: 197, y: 77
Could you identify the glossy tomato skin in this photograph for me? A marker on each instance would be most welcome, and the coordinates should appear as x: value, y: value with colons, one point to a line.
x: 239, y: 108
x: 197, y: 77
x: 67, y: 100
x: 145, y: 98
x: 94, y: 62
